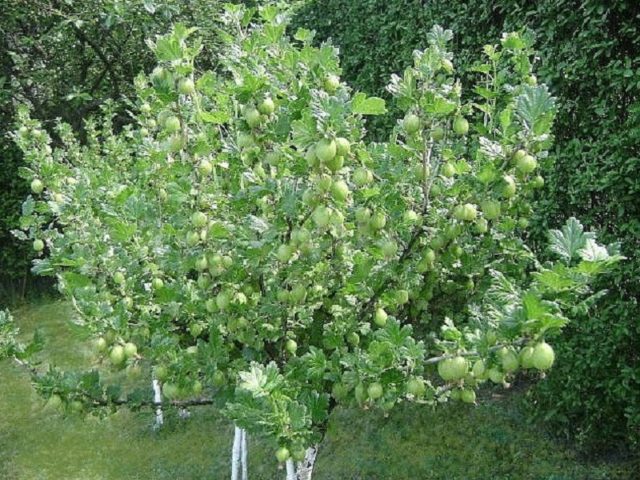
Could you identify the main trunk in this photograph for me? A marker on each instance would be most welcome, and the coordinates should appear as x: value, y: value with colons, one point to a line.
x: 304, y: 469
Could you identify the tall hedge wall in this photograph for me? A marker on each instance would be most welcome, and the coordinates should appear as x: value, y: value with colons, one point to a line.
x: 590, y: 56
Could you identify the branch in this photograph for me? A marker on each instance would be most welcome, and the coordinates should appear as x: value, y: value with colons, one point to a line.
x: 26, y: 365
x: 426, y: 160
x: 107, y: 64
x: 417, y: 232
x: 101, y: 402
x: 196, y: 402
x: 98, y: 80
x: 432, y: 360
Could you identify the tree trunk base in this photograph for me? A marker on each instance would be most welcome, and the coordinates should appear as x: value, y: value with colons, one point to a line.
x: 304, y: 469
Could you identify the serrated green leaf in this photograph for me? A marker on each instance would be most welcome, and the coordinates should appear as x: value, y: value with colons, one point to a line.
x: 591, y: 268
x: 363, y: 105
x: 512, y: 41
x: 74, y: 280
x: 298, y: 417
x: 28, y: 206
x: 568, y: 241
x: 556, y: 280
x: 487, y: 173
x: 182, y: 32
x: 304, y: 35
x: 315, y: 362
x: 168, y: 49
x: 394, y: 333
x: 536, y: 108
x: 316, y: 404
x: 436, y: 104
x: 439, y: 37
x: 533, y: 307
x: 505, y: 118
x: 260, y: 380
x: 269, y: 13
x: 217, y: 117
x: 484, y: 92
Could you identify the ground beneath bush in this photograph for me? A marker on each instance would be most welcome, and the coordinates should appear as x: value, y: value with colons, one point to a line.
x: 490, y: 441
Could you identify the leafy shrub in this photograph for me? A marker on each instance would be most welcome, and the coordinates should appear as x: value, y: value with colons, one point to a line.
x: 589, y: 57
x: 244, y: 237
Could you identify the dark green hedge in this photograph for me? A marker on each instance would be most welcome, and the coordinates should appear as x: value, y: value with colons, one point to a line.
x: 590, y: 56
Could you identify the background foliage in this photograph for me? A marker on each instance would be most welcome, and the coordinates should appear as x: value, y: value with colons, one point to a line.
x: 66, y: 58
x: 589, y: 60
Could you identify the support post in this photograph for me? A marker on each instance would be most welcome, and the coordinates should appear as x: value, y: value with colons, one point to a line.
x: 157, y: 400
x: 244, y: 455
x: 235, y: 453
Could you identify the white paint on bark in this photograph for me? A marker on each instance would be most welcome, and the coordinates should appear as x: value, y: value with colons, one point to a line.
x: 291, y: 470
x: 157, y: 399
x: 235, y: 453
x: 305, y: 467
x: 244, y: 455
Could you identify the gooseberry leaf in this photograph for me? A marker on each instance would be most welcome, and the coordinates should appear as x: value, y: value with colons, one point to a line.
x: 363, y: 105
x: 568, y: 241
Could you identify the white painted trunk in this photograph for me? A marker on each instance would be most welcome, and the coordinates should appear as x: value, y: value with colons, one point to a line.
x: 305, y: 467
x: 157, y: 399
x: 243, y: 457
x: 235, y: 453
x: 291, y: 470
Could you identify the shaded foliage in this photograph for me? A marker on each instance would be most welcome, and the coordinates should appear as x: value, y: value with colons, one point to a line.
x: 65, y: 58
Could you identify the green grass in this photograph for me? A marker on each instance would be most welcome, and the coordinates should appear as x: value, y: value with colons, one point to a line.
x: 491, y: 441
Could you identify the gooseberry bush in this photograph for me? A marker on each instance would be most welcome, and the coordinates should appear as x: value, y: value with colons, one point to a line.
x: 243, y: 243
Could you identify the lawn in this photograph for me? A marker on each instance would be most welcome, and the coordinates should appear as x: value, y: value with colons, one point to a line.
x: 490, y: 441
